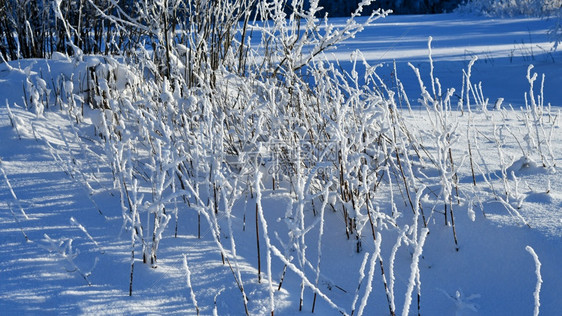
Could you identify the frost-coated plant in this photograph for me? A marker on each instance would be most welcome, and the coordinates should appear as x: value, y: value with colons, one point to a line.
x: 63, y: 249
x: 12, y: 193
x: 539, y: 131
x: 444, y: 133
x: 151, y: 139
x: 537, y: 292
x: 188, y: 282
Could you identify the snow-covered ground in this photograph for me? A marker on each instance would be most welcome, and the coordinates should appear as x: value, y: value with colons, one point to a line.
x: 64, y: 249
x: 504, y: 47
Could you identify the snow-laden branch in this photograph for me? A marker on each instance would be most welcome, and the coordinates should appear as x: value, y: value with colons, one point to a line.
x: 537, y: 292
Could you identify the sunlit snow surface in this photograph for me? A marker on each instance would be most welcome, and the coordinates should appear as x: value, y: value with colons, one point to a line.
x: 491, y: 274
x: 504, y: 47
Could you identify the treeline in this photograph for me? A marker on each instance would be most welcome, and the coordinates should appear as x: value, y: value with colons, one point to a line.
x: 346, y: 7
x: 37, y: 28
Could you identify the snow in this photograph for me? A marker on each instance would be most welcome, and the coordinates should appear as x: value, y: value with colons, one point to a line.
x: 74, y: 256
x: 505, y: 48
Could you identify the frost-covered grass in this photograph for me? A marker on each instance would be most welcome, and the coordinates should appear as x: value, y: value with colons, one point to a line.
x: 265, y: 194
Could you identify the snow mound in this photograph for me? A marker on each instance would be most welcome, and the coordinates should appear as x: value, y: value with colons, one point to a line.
x: 524, y: 166
x: 539, y: 197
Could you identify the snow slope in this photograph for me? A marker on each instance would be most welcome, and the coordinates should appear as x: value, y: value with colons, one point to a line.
x: 64, y: 250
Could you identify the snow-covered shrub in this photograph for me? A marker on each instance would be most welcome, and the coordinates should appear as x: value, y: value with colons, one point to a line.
x: 444, y: 133
x: 539, y: 123
x: 197, y: 136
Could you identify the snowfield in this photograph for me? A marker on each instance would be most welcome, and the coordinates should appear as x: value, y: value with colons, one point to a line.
x: 491, y: 149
